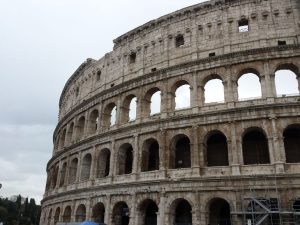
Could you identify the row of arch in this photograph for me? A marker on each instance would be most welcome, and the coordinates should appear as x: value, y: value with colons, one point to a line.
x: 147, y: 211
x: 255, y: 150
x: 154, y: 101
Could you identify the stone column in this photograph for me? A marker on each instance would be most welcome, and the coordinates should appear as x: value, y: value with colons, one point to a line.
x: 202, y: 160
x: 139, y: 105
x: 79, y: 167
x: 132, y: 215
x: 108, y: 215
x: 201, y: 96
x: 73, y: 215
x: 93, y: 164
x: 194, y: 94
x: 196, y: 217
x: 195, y: 151
x: 99, y: 128
x: 113, y: 155
x: 235, y: 151
x: 162, y: 149
x: 86, y: 124
x: 164, y: 100
x: 269, y: 82
x: 59, y: 174
x: 135, y: 155
x: 161, y: 219
x: 89, y: 209
x: 278, y: 155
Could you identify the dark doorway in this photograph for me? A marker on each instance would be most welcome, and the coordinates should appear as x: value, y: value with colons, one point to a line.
x: 217, y: 150
x: 183, y: 213
x: 150, y: 156
x: 219, y: 212
x: 183, y: 153
x: 255, y: 148
x: 121, y: 214
x: 125, y: 159
x: 292, y: 144
x: 98, y: 213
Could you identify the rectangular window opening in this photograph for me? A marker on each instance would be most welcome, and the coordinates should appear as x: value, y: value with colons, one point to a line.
x: 281, y: 43
x: 212, y: 54
x: 243, y: 26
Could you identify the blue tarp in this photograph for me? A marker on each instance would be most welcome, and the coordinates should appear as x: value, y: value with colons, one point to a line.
x: 88, y: 223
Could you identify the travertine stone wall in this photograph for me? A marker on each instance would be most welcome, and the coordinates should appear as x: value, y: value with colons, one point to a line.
x: 96, y: 162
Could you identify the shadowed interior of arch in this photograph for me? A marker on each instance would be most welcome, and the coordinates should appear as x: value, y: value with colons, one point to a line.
x: 98, y: 213
x: 219, y: 212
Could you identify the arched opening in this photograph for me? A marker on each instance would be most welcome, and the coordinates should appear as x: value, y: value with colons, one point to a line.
x: 86, y: 167
x: 155, y: 104
x: 103, y: 163
x: 62, y: 140
x: 113, y: 117
x: 120, y: 214
x: 214, y: 91
x: 54, y: 176
x: 70, y: 133
x: 249, y: 86
x: 150, y: 155
x: 286, y: 83
x: 296, y: 206
x: 132, y: 109
x: 67, y: 214
x: 180, y: 152
x: 73, y: 171
x: 93, y: 122
x: 182, y: 95
x: 63, y: 174
x: 292, y: 144
x: 217, y: 150
x: 148, y: 212
x: 80, y: 128
x: 49, y: 217
x: 129, y: 109
x: 125, y: 158
x: 182, y: 214
x: 255, y: 147
x: 98, y: 213
x: 219, y: 212
x: 152, y: 102
x: 56, y: 215
x: 80, y: 213
x: 109, y: 117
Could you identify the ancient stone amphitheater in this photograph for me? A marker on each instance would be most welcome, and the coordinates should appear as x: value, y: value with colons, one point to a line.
x: 140, y: 141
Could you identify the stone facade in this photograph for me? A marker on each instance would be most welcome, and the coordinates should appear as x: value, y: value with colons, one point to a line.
x: 196, y: 165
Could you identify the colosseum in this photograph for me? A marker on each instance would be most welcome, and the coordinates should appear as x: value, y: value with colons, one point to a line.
x: 141, y: 141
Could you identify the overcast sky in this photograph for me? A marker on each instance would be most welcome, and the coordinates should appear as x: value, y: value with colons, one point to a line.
x: 42, y: 42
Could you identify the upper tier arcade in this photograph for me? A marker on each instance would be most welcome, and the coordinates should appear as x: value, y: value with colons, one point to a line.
x: 196, y: 34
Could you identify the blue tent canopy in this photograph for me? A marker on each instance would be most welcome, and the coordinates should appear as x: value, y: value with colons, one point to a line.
x: 88, y: 223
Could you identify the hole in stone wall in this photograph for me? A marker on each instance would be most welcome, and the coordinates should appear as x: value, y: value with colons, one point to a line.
x: 212, y: 54
x: 243, y: 25
x: 179, y: 40
x: 281, y: 43
x: 132, y: 57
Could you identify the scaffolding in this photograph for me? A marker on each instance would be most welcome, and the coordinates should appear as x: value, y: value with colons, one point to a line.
x: 266, y: 210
